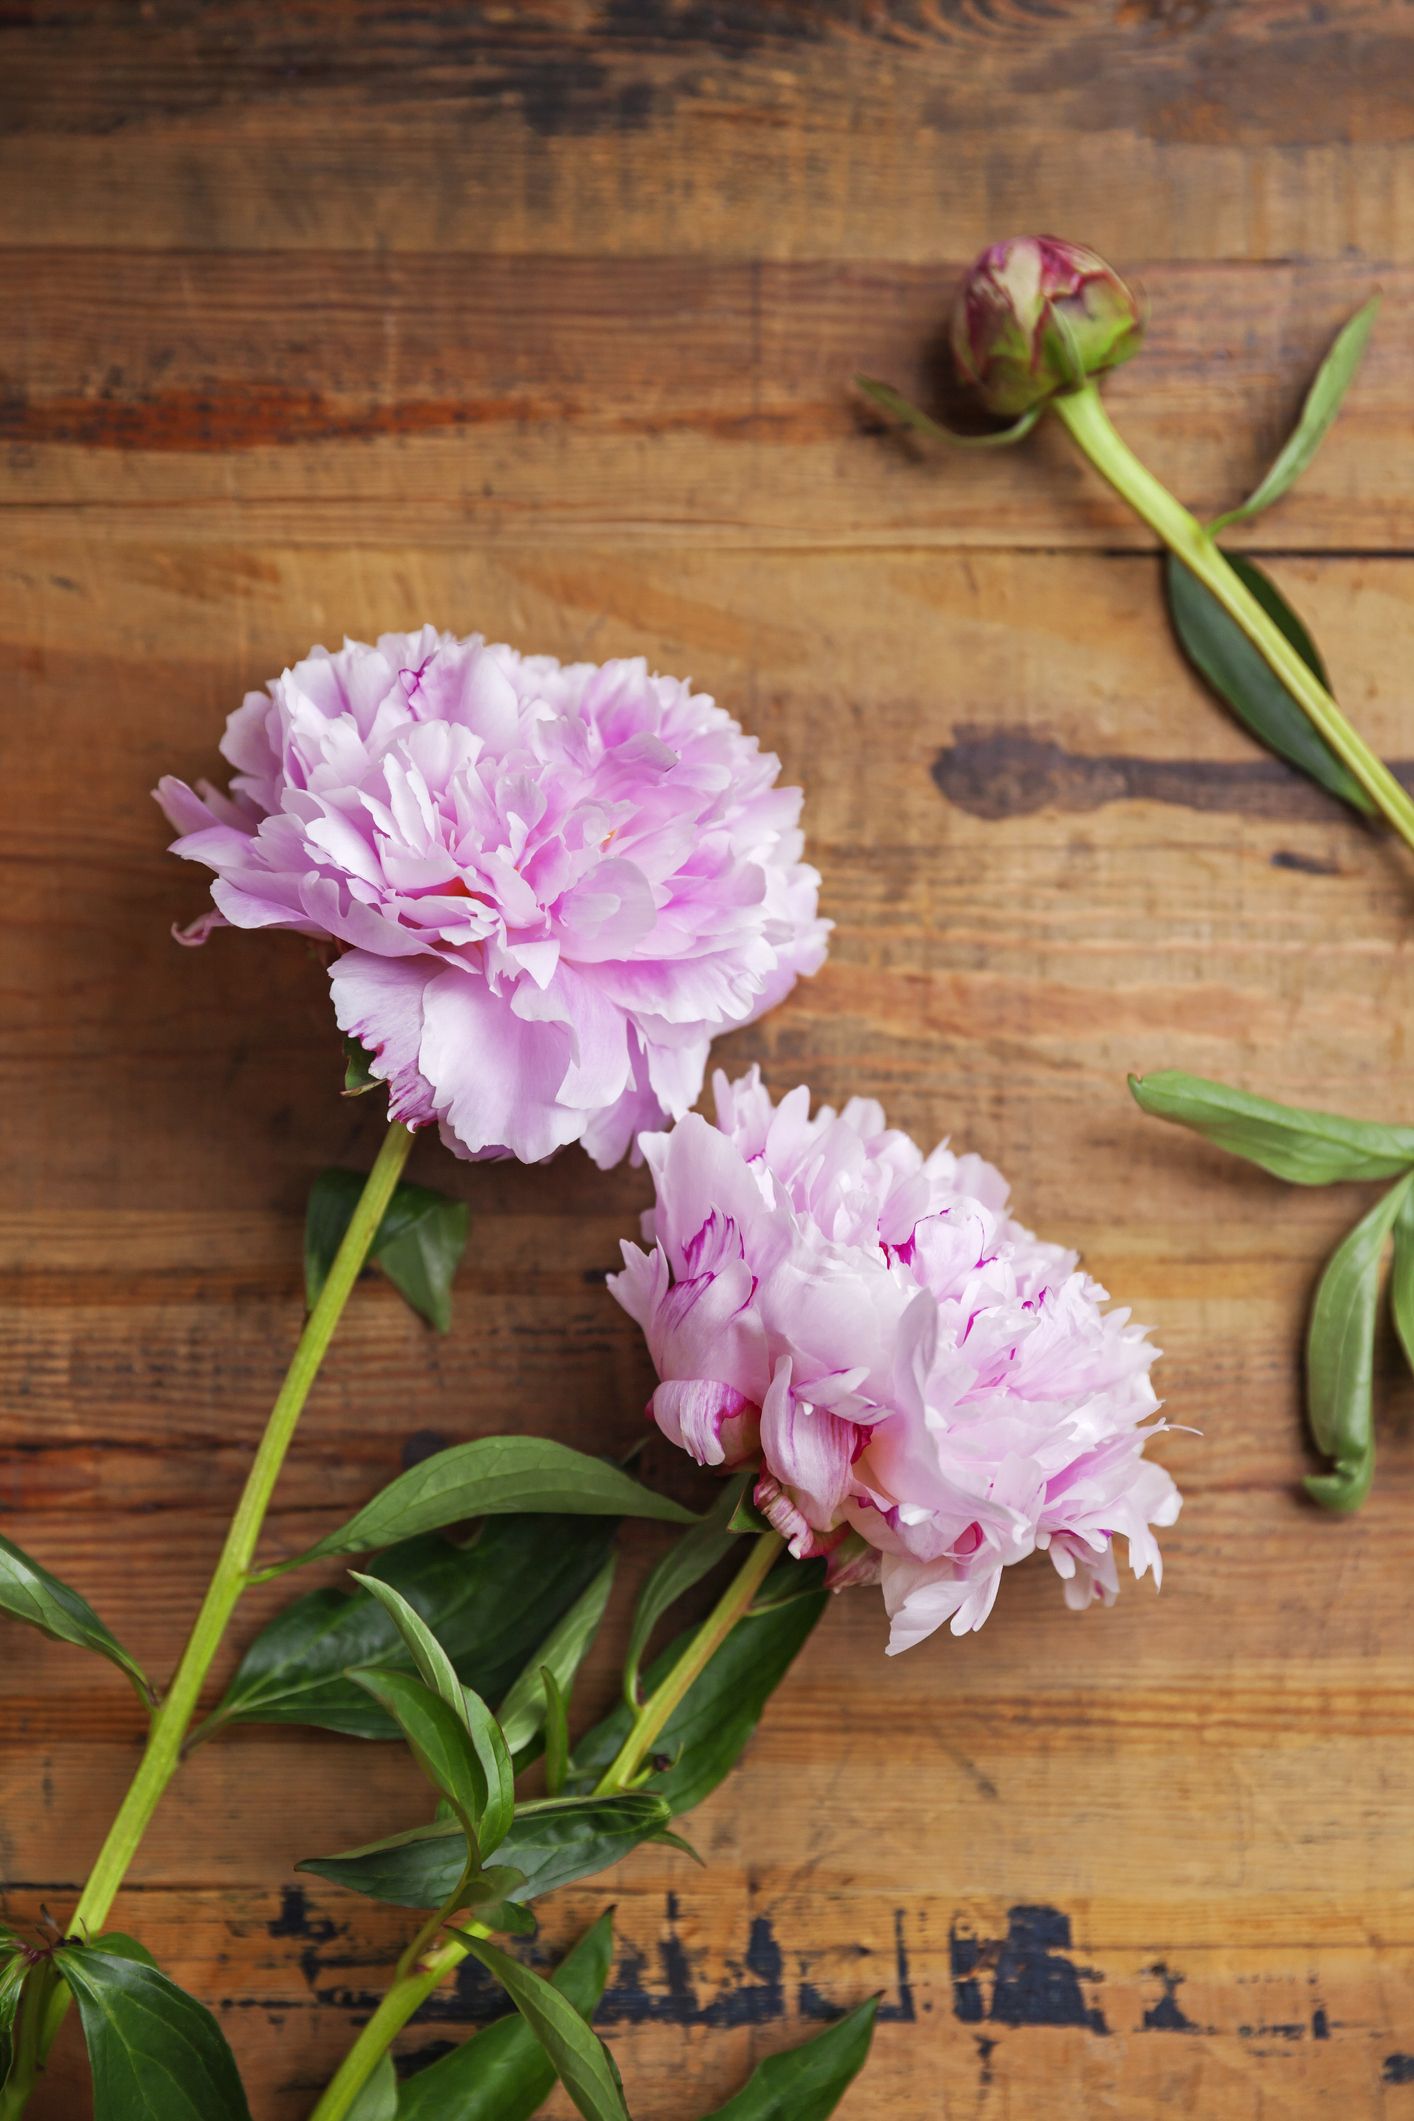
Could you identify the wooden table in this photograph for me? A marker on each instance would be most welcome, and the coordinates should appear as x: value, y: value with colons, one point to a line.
x: 539, y: 320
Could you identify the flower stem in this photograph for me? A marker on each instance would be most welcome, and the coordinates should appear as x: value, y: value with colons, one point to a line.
x: 647, y: 1725
x: 413, y: 1984
x: 1091, y: 428
x: 173, y: 1716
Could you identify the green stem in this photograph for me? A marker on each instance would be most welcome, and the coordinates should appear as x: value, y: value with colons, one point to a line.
x: 647, y: 1725
x: 170, y: 1723
x: 1091, y: 427
x: 413, y: 1984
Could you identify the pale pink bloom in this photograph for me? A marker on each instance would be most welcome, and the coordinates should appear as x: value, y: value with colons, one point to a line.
x: 930, y: 1391
x: 551, y: 885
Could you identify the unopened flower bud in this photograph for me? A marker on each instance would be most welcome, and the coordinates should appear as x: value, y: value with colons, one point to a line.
x: 1036, y: 316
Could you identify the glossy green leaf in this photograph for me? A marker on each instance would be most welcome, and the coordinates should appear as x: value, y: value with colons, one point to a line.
x: 686, y: 1562
x: 430, y: 1661
x: 561, y: 1654
x: 898, y: 407
x: 30, y: 1593
x: 420, y: 1867
x: 1340, y: 1356
x: 1308, y: 1148
x: 789, y: 1580
x: 488, y: 1478
x: 1323, y: 400
x: 1220, y: 651
x: 378, y: 2101
x: 494, y: 1759
x: 581, y: 2061
x: 490, y: 1603
x: 419, y: 1243
x: 483, y: 1732
x: 491, y: 1894
x: 557, y: 1733
x: 120, y: 1946
x: 502, y: 2073
x: 747, y: 1518
x: 358, y: 1069
x: 155, y: 2053
x: 706, y: 1734
x: 668, y: 1839
x: 806, y: 2083
x: 554, y: 1843
x: 1401, y: 1287
x: 440, y: 1743
x: 14, y: 1972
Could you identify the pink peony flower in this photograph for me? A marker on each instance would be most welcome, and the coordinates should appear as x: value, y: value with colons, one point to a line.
x: 551, y: 885
x: 930, y: 1391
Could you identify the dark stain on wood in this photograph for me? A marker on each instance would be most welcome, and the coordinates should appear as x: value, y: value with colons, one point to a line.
x: 1007, y: 772
x: 1034, y: 1982
x: 1305, y: 864
x: 1168, y: 2014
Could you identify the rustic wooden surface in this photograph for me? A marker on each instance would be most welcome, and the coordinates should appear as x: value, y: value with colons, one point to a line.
x: 538, y: 319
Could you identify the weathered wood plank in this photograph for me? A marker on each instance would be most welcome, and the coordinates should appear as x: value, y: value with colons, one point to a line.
x: 335, y: 317
x: 347, y: 399
x: 809, y: 126
x: 1010, y: 2004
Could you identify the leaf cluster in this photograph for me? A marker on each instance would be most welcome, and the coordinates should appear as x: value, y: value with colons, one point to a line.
x: 1312, y: 1148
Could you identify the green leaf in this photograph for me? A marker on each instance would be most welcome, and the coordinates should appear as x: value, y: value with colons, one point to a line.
x: 553, y: 1843
x: 489, y: 1603
x: 747, y: 1518
x: 557, y: 1733
x: 1402, y: 1280
x: 1308, y: 1148
x: 502, y: 2073
x: 806, y: 2083
x: 358, y: 1069
x: 420, y: 1867
x: 30, y: 1593
x: 898, y: 407
x: 378, y: 2101
x: 683, y: 1846
x: 1340, y: 1356
x: 155, y: 2053
x: 790, y: 1580
x: 487, y: 1478
x: 686, y: 1562
x: 581, y: 2061
x: 1323, y: 399
x: 494, y: 1759
x: 14, y: 1972
x: 711, y: 1725
x: 120, y: 1946
x: 1240, y: 675
x: 434, y: 1667
x: 483, y: 1733
x: 419, y: 1243
x: 491, y: 1894
x: 440, y: 1742
x: 561, y: 1654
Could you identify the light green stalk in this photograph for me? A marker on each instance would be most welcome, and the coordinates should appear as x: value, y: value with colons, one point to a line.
x: 173, y: 1716
x: 1090, y: 426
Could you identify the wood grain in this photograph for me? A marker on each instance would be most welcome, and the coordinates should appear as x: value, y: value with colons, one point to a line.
x: 540, y: 320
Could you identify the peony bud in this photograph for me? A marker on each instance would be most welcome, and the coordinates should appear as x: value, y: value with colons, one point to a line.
x: 1036, y: 316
